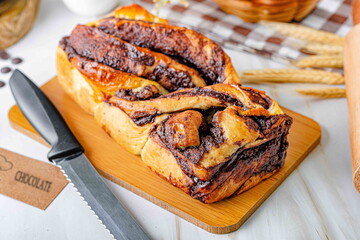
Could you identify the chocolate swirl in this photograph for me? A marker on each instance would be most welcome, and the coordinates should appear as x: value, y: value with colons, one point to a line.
x: 93, y: 44
x: 181, y: 43
x: 173, y: 96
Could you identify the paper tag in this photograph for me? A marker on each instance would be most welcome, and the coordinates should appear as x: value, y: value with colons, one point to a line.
x: 28, y: 180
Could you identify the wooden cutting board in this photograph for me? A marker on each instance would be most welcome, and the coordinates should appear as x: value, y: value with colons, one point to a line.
x: 128, y: 170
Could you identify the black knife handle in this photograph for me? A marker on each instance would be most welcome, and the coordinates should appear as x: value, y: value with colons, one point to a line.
x: 44, y: 117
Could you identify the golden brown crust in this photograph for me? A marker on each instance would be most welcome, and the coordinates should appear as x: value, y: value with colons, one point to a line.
x: 161, y: 161
x: 113, y: 120
x: 122, y: 129
x: 136, y: 12
x: 184, y: 128
x: 108, y: 80
x: 210, y: 141
x: 75, y: 83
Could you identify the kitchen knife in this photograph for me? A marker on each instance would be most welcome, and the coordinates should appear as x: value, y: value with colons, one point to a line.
x: 68, y: 154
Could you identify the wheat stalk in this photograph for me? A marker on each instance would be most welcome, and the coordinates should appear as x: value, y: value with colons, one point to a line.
x: 321, y: 61
x: 304, y: 33
x: 323, y: 49
x: 323, y: 92
x: 292, y: 76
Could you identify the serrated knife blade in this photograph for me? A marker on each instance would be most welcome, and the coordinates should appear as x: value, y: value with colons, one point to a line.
x: 68, y: 154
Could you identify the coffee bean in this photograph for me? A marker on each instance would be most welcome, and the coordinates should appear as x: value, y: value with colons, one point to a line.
x: 16, y: 60
x: 2, y: 84
x: 5, y: 70
x: 4, y: 55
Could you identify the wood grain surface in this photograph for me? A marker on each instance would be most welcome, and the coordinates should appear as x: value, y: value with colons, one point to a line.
x: 352, y: 78
x: 128, y: 170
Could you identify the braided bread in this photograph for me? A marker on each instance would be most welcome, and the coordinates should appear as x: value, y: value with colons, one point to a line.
x: 173, y: 96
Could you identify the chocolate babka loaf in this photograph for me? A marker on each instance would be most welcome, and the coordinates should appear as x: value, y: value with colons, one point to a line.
x: 172, y: 95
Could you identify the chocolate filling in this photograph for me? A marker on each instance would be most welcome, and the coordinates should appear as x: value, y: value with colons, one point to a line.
x: 101, y: 47
x: 243, y: 164
x: 256, y: 97
x: 175, y: 42
x: 64, y: 45
x: 223, y: 97
x: 141, y: 118
x: 147, y: 92
x: 266, y: 157
x: 268, y: 126
x: 92, y: 43
x: 210, y: 135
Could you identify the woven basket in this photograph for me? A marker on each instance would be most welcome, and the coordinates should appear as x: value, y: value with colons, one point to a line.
x: 271, y: 10
x: 16, y: 20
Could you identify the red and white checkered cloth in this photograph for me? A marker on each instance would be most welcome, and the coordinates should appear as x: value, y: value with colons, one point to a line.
x: 230, y: 31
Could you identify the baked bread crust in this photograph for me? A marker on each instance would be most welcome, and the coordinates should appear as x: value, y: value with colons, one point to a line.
x: 194, y: 48
x: 210, y: 141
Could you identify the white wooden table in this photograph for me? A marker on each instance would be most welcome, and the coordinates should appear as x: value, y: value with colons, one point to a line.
x: 317, y: 201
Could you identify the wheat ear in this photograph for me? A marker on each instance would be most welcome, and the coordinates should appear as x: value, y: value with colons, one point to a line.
x: 292, y: 76
x: 321, y: 61
x: 304, y: 33
x: 323, y: 49
x: 323, y: 92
